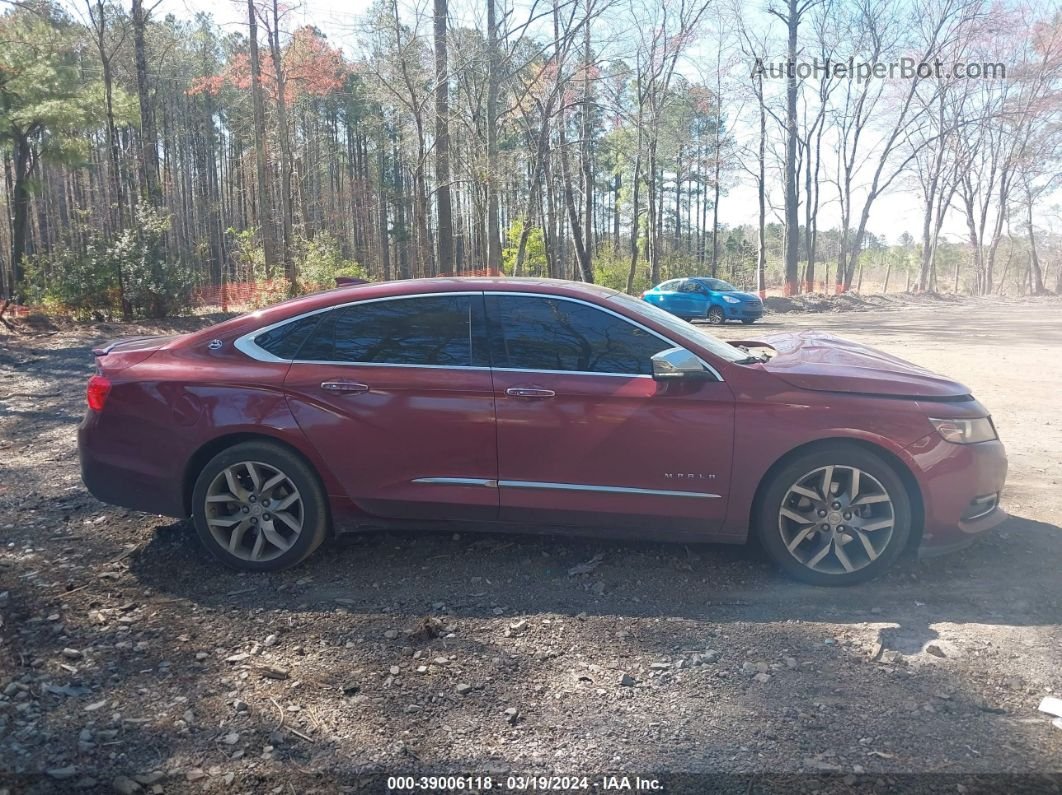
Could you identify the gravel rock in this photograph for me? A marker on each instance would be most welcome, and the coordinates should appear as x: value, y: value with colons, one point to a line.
x: 125, y: 786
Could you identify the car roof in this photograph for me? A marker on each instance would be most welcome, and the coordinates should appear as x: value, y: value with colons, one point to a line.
x: 437, y: 285
x: 449, y: 284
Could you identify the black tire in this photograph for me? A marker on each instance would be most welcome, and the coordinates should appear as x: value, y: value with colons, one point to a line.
x: 748, y: 321
x: 311, y: 512
x: 716, y: 316
x: 776, y: 531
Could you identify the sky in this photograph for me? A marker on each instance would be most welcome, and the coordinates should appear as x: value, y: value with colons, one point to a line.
x: 894, y: 213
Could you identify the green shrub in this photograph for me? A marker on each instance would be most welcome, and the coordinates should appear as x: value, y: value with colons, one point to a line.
x: 535, y: 261
x: 612, y: 266
x: 84, y: 284
x: 319, y: 260
x: 153, y: 286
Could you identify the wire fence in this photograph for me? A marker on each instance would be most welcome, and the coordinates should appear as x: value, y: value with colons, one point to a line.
x: 233, y: 296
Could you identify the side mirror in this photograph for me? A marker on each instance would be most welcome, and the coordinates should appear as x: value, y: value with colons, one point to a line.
x: 677, y: 363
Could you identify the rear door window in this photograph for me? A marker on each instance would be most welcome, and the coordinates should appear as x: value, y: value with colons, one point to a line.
x: 422, y: 331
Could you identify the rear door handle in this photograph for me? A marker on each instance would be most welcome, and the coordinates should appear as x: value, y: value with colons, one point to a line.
x: 530, y: 392
x: 352, y: 387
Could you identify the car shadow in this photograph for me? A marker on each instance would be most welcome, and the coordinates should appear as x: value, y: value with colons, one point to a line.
x: 1001, y: 580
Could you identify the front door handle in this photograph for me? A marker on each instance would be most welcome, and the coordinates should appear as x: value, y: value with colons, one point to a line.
x: 530, y: 392
x: 352, y: 387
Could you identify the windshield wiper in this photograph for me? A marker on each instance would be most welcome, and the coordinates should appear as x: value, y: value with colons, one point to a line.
x: 754, y: 359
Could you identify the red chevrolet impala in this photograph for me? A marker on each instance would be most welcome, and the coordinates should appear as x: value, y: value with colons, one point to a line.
x: 521, y: 403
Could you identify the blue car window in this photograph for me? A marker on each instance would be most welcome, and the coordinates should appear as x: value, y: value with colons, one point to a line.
x: 719, y: 285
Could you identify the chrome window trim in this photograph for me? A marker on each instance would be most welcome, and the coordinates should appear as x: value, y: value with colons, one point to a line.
x: 246, y: 344
x: 570, y: 372
x: 547, y: 486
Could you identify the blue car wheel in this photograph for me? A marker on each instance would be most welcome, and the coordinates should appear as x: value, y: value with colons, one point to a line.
x: 716, y: 315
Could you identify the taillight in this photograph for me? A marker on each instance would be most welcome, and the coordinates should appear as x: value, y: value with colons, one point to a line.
x: 98, y: 389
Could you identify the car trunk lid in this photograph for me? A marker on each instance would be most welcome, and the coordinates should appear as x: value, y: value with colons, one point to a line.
x: 124, y: 352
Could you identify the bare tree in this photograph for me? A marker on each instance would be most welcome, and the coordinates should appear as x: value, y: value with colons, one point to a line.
x: 445, y: 232
x: 791, y: 16
x: 265, y: 203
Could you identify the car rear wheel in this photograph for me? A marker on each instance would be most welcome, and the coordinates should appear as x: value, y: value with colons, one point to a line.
x: 257, y: 506
x: 837, y: 516
x: 716, y: 316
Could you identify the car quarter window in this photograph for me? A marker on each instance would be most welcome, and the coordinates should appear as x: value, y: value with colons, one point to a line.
x: 671, y: 285
x: 285, y: 341
x: 538, y: 333
x: 440, y: 331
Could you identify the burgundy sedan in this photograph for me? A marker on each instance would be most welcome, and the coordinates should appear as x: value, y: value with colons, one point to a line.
x: 535, y: 403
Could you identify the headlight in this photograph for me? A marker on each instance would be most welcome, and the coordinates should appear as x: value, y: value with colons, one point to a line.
x: 965, y: 431
x: 731, y: 299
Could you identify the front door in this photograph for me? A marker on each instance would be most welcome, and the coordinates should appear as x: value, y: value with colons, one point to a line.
x: 586, y: 436
x: 396, y: 395
x: 693, y: 299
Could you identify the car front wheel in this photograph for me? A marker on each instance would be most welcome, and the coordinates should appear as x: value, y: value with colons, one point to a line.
x: 836, y: 516
x: 716, y: 316
x: 257, y: 506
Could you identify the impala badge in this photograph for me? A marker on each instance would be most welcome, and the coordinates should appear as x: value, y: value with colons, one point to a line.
x: 689, y: 476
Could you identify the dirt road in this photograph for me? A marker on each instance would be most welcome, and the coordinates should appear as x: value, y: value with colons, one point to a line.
x: 125, y: 652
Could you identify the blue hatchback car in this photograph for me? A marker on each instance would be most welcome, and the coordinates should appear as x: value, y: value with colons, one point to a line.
x: 702, y: 298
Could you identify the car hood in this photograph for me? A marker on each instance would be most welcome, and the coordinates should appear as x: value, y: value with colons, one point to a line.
x: 741, y: 295
x: 823, y: 362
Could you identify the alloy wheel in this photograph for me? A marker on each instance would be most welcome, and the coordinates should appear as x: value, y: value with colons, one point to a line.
x: 254, y: 511
x: 836, y: 519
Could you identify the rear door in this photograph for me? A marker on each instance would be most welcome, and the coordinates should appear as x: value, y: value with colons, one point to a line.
x: 666, y: 296
x: 396, y: 395
x: 586, y: 436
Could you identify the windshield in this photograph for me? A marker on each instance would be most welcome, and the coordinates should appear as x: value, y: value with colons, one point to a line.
x: 718, y: 285
x: 685, y: 330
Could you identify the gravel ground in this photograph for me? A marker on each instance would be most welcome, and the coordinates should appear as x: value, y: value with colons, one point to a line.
x: 130, y: 662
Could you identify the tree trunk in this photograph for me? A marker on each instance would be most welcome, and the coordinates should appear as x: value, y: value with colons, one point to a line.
x: 585, y: 153
x: 265, y: 204
x: 445, y: 233
x: 20, y: 201
x: 1036, y: 274
x: 493, y: 81
x: 286, y: 160
x: 149, y: 144
x: 792, y: 218
x: 761, y: 190
x: 634, y: 214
